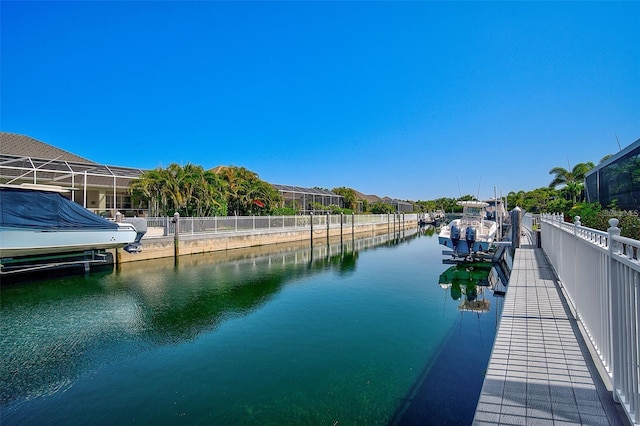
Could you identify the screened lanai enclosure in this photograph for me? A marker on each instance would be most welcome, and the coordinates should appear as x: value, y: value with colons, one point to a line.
x: 99, y: 188
x: 308, y: 200
x: 104, y: 189
x: 616, y: 180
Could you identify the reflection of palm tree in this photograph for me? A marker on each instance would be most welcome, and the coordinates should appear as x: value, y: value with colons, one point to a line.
x: 572, y: 180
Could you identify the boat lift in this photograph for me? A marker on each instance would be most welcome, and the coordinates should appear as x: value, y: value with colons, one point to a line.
x: 85, y: 260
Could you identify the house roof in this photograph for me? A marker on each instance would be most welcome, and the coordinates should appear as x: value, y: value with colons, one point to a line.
x: 25, y: 146
x: 23, y: 158
x: 302, y: 190
x: 368, y: 198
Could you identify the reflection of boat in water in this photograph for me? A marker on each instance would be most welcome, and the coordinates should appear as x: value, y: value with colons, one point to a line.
x: 479, y: 306
x: 472, y: 233
x: 462, y: 274
x: 467, y: 282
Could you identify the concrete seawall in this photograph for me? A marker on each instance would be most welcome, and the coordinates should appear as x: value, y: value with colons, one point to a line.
x: 167, y: 246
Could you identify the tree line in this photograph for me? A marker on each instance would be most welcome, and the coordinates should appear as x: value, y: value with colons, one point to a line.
x: 226, y: 190
x: 192, y: 191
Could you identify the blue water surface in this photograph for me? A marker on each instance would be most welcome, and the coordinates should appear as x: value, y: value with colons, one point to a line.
x: 358, y: 332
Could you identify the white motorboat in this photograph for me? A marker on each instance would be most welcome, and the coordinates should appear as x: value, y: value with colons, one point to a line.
x: 472, y: 233
x: 38, y: 220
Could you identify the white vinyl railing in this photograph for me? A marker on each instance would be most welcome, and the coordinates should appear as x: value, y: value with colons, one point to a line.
x: 253, y: 224
x: 600, y: 272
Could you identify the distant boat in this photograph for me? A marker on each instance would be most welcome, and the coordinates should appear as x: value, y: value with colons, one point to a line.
x: 470, y: 234
x: 431, y: 218
x: 495, y: 210
x: 37, y: 220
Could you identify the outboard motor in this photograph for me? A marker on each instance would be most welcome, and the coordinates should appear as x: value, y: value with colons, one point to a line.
x: 455, y: 236
x: 471, y: 291
x: 456, y: 291
x: 141, y: 228
x: 470, y: 237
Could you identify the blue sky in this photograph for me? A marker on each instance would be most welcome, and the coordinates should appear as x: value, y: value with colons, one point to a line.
x: 414, y: 100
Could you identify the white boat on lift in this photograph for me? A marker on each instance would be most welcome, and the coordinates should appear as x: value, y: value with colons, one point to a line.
x: 38, y: 220
x: 470, y: 234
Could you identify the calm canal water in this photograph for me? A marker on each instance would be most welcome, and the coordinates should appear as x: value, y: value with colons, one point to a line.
x: 337, y: 336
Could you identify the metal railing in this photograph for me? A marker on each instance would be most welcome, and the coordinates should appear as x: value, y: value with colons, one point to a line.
x: 600, y: 272
x: 261, y: 224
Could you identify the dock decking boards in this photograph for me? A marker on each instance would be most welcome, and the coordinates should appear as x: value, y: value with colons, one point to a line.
x: 540, y: 371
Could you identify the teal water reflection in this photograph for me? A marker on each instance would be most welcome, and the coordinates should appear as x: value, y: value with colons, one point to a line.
x: 341, y: 334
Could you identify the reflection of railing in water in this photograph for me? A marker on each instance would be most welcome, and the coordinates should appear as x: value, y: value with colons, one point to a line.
x: 272, y: 269
x: 293, y: 253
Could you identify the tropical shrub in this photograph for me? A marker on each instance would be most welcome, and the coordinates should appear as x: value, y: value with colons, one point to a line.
x: 380, y: 207
x: 592, y: 216
x: 283, y: 211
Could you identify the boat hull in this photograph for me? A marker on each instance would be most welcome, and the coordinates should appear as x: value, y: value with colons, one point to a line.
x: 17, y: 242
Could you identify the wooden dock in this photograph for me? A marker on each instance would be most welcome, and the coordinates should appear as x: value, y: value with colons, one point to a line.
x: 540, y: 371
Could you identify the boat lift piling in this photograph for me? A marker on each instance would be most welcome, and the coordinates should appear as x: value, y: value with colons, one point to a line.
x: 516, y: 221
x: 176, y: 235
x: 118, y: 256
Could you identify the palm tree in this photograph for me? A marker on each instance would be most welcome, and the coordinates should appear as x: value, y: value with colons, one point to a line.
x: 572, y: 180
x: 605, y: 158
x: 246, y: 193
x: 188, y: 190
x: 516, y: 198
x: 150, y: 186
x: 348, y: 197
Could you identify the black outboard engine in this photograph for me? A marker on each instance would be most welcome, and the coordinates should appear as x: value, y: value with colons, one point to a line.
x: 455, y: 236
x: 141, y: 228
x: 470, y: 237
x: 471, y: 291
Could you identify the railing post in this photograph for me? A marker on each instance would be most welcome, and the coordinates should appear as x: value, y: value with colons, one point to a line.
x: 573, y: 281
x: 353, y: 221
x: 615, y: 311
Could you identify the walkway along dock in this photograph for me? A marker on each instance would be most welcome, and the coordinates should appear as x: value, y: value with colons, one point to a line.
x: 542, y: 370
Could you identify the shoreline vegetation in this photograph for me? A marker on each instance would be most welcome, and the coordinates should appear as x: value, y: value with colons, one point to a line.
x: 231, y: 190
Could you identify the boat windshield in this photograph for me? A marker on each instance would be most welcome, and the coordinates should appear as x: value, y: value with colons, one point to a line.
x: 473, y: 211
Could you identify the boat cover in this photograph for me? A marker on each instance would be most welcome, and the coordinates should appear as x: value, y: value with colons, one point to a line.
x: 26, y: 208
